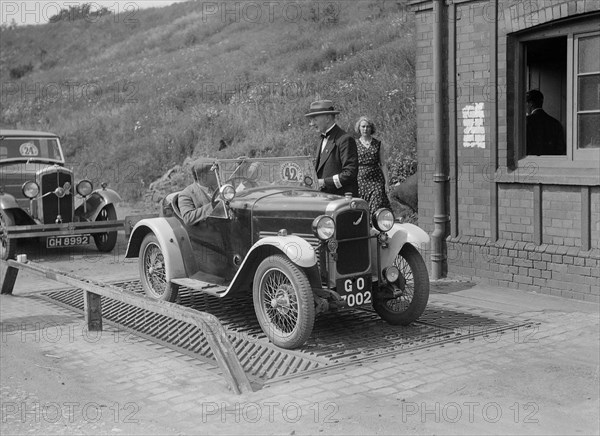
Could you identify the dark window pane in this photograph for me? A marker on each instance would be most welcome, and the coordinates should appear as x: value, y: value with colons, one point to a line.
x: 589, y: 131
x: 589, y: 93
x: 589, y: 61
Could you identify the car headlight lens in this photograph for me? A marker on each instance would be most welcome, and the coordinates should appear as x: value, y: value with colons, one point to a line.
x: 383, y: 219
x: 391, y: 274
x: 85, y: 188
x: 323, y: 227
x: 227, y: 192
x: 30, y: 189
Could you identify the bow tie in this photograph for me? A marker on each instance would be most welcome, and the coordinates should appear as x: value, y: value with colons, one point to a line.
x: 324, y: 135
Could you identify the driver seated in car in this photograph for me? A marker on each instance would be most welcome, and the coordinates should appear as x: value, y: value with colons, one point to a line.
x: 195, y: 201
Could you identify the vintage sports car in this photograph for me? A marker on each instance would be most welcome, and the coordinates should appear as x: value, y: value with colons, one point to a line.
x: 299, y: 251
x: 39, y: 198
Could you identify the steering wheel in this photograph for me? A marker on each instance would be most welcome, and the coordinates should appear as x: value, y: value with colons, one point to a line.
x: 237, y: 180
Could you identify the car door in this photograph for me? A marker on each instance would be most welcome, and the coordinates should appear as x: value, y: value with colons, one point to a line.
x: 211, y: 246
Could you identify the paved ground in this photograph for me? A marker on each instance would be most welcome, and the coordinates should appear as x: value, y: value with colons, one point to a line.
x: 56, y: 378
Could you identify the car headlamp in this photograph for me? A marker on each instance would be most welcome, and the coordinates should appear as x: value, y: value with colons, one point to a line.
x: 227, y: 192
x: 30, y: 189
x: 85, y: 188
x: 383, y: 219
x: 323, y: 227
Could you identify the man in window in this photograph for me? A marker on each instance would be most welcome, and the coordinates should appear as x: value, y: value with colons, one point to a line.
x: 545, y: 134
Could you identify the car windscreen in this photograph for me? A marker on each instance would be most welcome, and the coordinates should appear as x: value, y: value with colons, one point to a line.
x: 30, y: 149
x: 281, y: 171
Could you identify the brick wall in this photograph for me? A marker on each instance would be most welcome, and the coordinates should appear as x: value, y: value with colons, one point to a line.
x: 478, y: 139
x: 426, y: 96
x: 515, y: 213
x: 550, y: 269
x: 561, y: 217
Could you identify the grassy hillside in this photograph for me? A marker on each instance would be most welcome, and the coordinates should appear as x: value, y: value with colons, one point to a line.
x: 136, y: 93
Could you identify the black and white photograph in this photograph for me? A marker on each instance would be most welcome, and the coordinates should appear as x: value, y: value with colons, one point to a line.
x: 300, y: 217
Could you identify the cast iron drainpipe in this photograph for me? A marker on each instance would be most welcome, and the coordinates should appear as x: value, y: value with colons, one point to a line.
x: 439, y: 262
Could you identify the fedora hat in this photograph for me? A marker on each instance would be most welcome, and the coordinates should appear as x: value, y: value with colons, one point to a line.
x: 321, y: 107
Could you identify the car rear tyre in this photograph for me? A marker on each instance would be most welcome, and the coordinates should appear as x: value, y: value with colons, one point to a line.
x: 413, y: 287
x: 153, y: 271
x: 8, y: 247
x: 283, y: 302
x: 105, y: 242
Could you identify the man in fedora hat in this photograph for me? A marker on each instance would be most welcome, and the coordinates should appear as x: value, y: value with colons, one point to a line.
x: 337, y: 156
x: 194, y: 202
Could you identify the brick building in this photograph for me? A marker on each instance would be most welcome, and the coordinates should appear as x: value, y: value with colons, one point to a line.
x: 508, y: 216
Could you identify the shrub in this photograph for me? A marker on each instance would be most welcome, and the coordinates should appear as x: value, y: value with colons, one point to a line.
x: 176, y: 86
x: 79, y: 12
x: 21, y: 70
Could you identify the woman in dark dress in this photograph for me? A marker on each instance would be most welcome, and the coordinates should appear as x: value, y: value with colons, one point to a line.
x: 372, y: 167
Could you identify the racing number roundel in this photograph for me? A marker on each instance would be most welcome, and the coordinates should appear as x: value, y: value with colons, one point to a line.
x: 28, y: 149
x: 291, y: 172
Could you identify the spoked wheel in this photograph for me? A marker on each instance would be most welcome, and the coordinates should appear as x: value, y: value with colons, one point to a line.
x: 405, y: 300
x: 152, y: 271
x: 283, y: 302
x: 105, y: 242
x: 8, y: 247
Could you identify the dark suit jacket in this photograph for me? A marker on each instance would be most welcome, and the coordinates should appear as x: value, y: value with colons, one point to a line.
x: 194, y: 203
x: 545, y: 135
x: 339, y: 157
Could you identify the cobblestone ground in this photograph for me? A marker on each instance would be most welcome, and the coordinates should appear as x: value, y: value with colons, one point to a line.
x: 57, y: 378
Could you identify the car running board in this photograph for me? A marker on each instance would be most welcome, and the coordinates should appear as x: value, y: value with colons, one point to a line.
x: 198, y: 285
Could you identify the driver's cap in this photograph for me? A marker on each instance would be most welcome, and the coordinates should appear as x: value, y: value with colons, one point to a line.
x: 201, y: 170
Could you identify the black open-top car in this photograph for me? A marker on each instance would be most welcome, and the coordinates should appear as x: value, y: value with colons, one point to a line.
x: 298, y: 250
x: 39, y: 197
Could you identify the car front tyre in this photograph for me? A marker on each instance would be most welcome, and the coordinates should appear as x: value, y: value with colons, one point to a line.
x: 283, y: 302
x: 413, y: 287
x: 151, y: 262
x: 8, y: 247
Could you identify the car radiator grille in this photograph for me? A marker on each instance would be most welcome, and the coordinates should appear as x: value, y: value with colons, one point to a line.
x: 52, y: 206
x: 353, y: 256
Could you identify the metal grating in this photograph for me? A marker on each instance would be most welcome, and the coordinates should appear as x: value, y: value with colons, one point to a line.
x: 339, y: 338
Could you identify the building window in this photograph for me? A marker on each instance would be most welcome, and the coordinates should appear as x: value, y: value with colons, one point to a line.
x: 587, y: 107
x: 546, y: 89
x: 561, y: 61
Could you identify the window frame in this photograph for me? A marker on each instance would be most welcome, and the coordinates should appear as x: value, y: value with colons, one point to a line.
x: 578, y: 166
x: 581, y: 153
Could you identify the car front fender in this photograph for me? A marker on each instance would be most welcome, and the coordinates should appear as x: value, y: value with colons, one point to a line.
x: 93, y: 204
x: 174, y: 243
x: 298, y: 250
x: 7, y: 201
x: 399, y: 235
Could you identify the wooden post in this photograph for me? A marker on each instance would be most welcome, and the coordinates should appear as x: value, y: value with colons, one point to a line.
x: 93, y: 311
x: 8, y: 281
